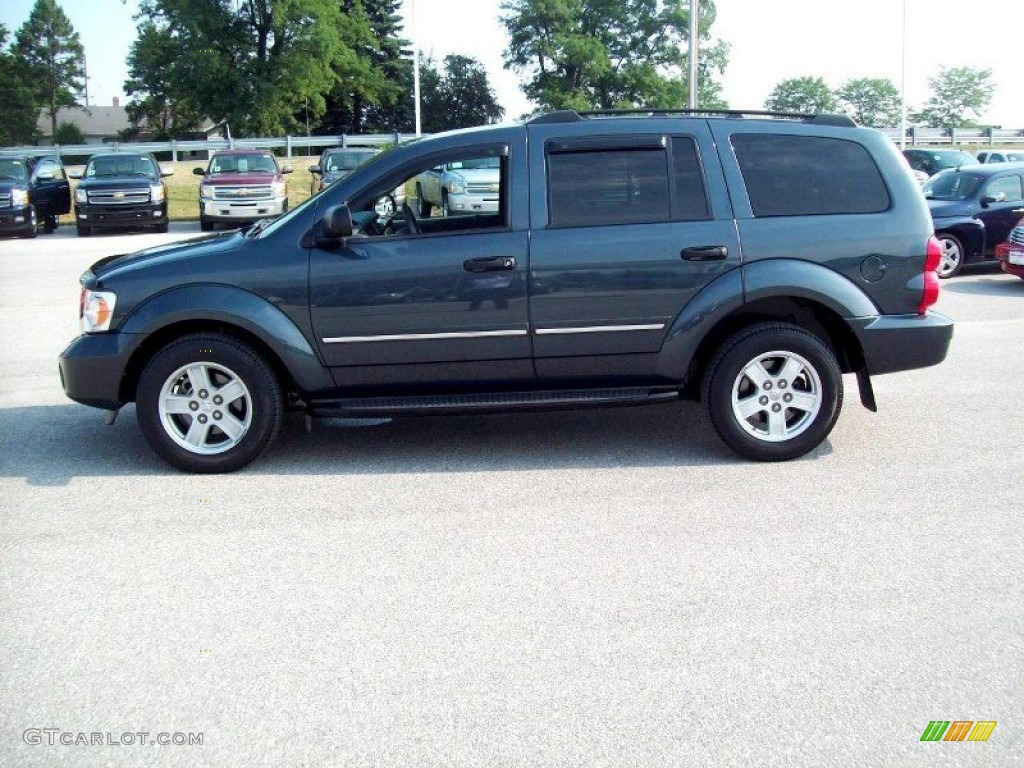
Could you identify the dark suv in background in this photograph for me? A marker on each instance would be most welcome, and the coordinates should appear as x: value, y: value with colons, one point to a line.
x: 744, y: 260
x: 34, y: 191
x: 931, y: 160
x: 121, y: 190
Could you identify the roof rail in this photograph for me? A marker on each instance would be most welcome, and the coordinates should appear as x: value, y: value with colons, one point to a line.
x: 573, y: 116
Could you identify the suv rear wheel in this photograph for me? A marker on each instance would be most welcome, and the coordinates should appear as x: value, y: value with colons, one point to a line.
x: 208, y: 403
x: 773, y: 391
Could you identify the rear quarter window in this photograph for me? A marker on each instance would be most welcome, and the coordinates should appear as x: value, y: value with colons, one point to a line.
x: 808, y: 175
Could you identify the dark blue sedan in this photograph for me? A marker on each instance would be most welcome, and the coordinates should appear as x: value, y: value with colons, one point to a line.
x: 973, y: 209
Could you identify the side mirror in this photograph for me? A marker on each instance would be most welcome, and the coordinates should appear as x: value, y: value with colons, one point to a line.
x: 996, y: 198
x: 199, y: 171
x: 337, y: 222
x: 287, y: 169
x: 164, y: 172
x: 74, y: 174
x: 314, y: 169
x: 45, y: 177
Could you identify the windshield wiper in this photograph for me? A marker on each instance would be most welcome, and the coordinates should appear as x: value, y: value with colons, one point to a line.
x: 258, y: 227
x: 12, y: 178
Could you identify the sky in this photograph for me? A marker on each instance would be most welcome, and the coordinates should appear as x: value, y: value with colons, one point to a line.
x: 770, y: 40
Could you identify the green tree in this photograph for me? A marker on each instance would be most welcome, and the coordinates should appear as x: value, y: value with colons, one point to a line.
x: 18, y: 108
x: 870, y: 101
x: 581, y: 54
x: 259, y: 64
x: 51, y: 55
x: 374, y: 93
x: 459, y: 97
x: 805, y: 95
x: 956, y: 94
x: 161, y: 96
x: 68, y: 133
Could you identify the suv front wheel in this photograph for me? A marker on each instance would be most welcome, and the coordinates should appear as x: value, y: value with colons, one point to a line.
x: 208, y: 403
x: 773, y: 391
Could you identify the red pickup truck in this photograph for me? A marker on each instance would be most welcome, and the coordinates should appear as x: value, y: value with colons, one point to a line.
x: 240, y: 186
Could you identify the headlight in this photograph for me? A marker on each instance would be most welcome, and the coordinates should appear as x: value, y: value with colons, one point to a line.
x: 278, y: 189
x: 96, y: 310
x: 19, y: 197
x: 456, y: 188
x: 81, y: 196
x: 206, y: 190
x: 156, y: 193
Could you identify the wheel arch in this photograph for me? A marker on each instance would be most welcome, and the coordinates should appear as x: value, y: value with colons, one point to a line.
x: 240, y: 314
x: 969, y: 231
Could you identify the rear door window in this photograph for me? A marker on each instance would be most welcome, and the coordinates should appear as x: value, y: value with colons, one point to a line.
x: 790, y: 175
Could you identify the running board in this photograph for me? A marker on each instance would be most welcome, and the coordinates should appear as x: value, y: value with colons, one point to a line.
x: 420, y: 405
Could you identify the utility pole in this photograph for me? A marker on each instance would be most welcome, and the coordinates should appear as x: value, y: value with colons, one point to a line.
x: 693, y: 53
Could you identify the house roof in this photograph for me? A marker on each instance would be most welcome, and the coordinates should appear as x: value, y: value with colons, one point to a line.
x: 91, y: 121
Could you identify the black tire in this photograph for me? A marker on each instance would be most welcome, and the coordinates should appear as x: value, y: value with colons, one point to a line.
x: 49, y: 225
x: 256, y: 414
x: 813, y: 378
x: 161, y: 228
x: 424, y: 206
x: 32, y: 228
x: 83, y: 231
x: 952, y: 255
x: 205, y: 224
x: 444, y: 204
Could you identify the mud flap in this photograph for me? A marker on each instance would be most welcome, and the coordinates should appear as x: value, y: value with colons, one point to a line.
x: 867, y: 393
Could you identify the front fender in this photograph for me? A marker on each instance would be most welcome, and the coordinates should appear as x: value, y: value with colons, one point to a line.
x: 232, y: 306
x: 968, y: 230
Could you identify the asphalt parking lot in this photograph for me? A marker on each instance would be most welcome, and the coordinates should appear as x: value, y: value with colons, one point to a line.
x: 591, y: 588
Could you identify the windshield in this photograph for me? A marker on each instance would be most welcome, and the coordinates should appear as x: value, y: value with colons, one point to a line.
x: 121, y: 165
x: 953, y: 159
x: 11, y: 169
x: 951, y: 185
x: 250, y: 163
x: 346, y: 161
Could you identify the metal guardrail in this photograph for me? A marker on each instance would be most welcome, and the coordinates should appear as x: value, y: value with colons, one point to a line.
x: 288, y: 143
x: 915, y: 137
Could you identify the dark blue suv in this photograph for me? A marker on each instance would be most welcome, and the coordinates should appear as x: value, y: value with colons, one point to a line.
x: 745, y: 260
x: 974, y: 208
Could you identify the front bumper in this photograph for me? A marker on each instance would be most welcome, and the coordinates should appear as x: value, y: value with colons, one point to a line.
x: 1003, y: 253
x: 241, y: 210
x: 466, y: 203
x: 903, y: 342
x: 92, y: 368
x: 147, y: 215
x: 15, y: 219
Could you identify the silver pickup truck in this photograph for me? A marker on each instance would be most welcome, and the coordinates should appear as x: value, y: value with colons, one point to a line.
x: 468, y: 186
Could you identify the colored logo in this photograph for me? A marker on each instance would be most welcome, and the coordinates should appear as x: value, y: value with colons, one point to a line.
x: 958, y: 730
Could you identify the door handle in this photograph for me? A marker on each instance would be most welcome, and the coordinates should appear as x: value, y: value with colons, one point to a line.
x: 497, y: 264
x: 705, y: 253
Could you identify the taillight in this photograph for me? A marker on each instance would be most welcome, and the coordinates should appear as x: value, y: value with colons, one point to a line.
x: 932, y: 259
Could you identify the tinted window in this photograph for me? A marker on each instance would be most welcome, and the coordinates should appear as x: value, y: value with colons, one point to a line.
x: 808, y: 175
x: 49, y: 166
x: 608, y: 186
x: 12, y: 169
x: 121, y: 165
x: 951, y: 185
x: 691, y: 200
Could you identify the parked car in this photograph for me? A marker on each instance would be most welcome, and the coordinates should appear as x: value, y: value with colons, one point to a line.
x: 337, y: 163
x: 974, y: 210
x: 1000, y: 156
x: 629, y: 260
x: 240, y: 186
x: 33, y: 190
x: 1011, y: 253
x: 931, y: 160
x: 121, y: 190
x: 461, y: 187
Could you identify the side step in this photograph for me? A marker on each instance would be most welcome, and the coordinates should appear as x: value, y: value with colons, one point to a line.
x: 421, y: 405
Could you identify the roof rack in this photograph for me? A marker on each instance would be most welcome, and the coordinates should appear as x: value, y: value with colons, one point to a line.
x: 574, y: 116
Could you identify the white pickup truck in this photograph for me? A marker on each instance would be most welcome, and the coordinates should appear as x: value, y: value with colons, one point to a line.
x: 469, y: 186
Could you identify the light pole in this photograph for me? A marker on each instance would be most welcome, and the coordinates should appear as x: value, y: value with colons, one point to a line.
x: 693, y: 54
x: 416, y: 67
x: 903, y: 83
